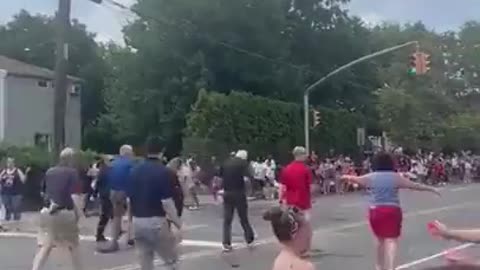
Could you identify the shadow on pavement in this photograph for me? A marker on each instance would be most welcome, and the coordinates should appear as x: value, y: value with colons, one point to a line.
x: 317, y: 257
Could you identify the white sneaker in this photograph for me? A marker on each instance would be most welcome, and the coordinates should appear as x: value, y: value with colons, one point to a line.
x: 227, y: 248
x: 251, y: 245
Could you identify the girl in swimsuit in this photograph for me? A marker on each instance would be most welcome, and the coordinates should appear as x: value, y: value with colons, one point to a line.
x: 288, y: 225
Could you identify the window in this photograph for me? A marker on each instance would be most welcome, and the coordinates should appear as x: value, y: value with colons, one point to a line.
x: 42, y: 83
x: 42, y: 140
x: 75, y: 90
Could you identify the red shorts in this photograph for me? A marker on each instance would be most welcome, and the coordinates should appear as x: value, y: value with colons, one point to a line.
x: 386, y: 221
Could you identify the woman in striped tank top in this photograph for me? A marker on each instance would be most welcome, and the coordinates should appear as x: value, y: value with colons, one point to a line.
x: 385, y: 213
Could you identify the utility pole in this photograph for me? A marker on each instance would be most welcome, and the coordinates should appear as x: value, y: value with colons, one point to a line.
x: 306, y: 94
x: 61, y: 62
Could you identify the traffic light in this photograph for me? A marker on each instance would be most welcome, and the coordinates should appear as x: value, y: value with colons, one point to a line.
x: 316, y: 118
x: 413, y: 64
x: 419, y: 63
x: 426, y: 62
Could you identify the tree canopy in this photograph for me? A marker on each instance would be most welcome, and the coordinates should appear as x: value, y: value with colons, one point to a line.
x: 267, y: 52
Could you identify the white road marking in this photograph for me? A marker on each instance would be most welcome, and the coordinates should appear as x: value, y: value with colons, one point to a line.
x: 194, y: 227
x: 327, y: 230
x: 460, y: 189
x: 89, y: 238
x: 353, y: 225
x: 434, y: 256
x: 188, y: 256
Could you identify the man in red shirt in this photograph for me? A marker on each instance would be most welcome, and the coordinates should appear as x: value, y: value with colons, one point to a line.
x: 296, y: 179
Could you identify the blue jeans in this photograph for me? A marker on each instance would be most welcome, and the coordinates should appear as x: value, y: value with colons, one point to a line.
x: 12, y: 206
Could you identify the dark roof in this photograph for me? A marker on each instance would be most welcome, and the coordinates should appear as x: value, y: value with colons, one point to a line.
x: 22, y: 69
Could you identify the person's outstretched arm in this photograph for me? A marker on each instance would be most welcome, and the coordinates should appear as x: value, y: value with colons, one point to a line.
x: 404, y: 183
x: 360, y: 180
x: 461, y: 235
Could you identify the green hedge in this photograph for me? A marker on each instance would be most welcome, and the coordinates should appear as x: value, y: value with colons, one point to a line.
x: 221, y: 123
x: 37, y: 160
x: 37, y: 157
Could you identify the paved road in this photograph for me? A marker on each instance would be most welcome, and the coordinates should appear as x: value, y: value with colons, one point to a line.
x: 340, y: 231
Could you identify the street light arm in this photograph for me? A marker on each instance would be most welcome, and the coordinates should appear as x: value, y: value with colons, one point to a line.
x: 359, y: 60
x: 306, y: 94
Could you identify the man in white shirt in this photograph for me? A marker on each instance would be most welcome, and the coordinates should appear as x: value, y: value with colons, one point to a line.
x: 259, y: 178
x: 270, y: 179
x: 468, y: 172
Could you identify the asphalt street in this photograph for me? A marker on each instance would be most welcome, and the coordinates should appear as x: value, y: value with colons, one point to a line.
x: 341, y: 233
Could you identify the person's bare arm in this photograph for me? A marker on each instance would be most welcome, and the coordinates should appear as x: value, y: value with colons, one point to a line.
x: 360, y: 180
x: 21, y: 175
x: 404, y: 183
x: 464, y: 235
x: 171, y: 211
x: 309, y: 266
x: 75, y: 178
x: 461, y: 235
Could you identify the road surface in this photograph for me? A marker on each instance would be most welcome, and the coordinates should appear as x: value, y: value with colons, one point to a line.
x: 341, y: 232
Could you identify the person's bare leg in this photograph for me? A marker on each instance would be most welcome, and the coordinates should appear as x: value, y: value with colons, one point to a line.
x: 78, y: 200
x: 391, y: 245
x: 75, y: 257
x: 380, y: 254
x: 41, y: 257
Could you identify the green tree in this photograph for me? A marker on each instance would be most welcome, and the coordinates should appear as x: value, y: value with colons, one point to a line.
x: 181, y: 46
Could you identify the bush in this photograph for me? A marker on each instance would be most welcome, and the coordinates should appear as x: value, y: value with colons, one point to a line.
x: 221, y: 123
x: 36, y: 160
x: 26, y: 156
x: 36, y: 157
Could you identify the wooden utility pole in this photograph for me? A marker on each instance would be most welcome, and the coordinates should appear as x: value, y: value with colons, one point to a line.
x: 61, y: 83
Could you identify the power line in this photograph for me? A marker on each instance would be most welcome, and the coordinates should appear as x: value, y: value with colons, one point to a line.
x: 218, y: 42
x: 215, y: 41
x: 117, y: 14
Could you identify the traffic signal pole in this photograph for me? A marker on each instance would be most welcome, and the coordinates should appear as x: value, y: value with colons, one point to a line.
x: 308, y: 90
x: 306, y: 118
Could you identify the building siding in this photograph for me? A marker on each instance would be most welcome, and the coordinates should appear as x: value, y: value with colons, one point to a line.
x: 3, y: 86
x: 29, y: 111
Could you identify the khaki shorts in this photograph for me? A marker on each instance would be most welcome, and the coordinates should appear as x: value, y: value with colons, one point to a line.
x: 119, y: 202
x: 60, y: 229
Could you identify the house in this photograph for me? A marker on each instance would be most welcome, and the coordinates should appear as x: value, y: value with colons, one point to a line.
x: 27, y: 105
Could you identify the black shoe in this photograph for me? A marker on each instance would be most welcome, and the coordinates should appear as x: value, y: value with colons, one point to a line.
x: 131, y: 242
x: 101, y: 238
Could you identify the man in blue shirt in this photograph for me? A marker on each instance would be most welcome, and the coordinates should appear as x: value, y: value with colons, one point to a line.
x: 118, y: 177
x: 151, y: 193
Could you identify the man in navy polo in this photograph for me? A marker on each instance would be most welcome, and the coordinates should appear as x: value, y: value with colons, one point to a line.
x: 151, y: 200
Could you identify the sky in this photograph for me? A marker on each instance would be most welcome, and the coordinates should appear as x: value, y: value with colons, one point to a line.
x: 107, y: 21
